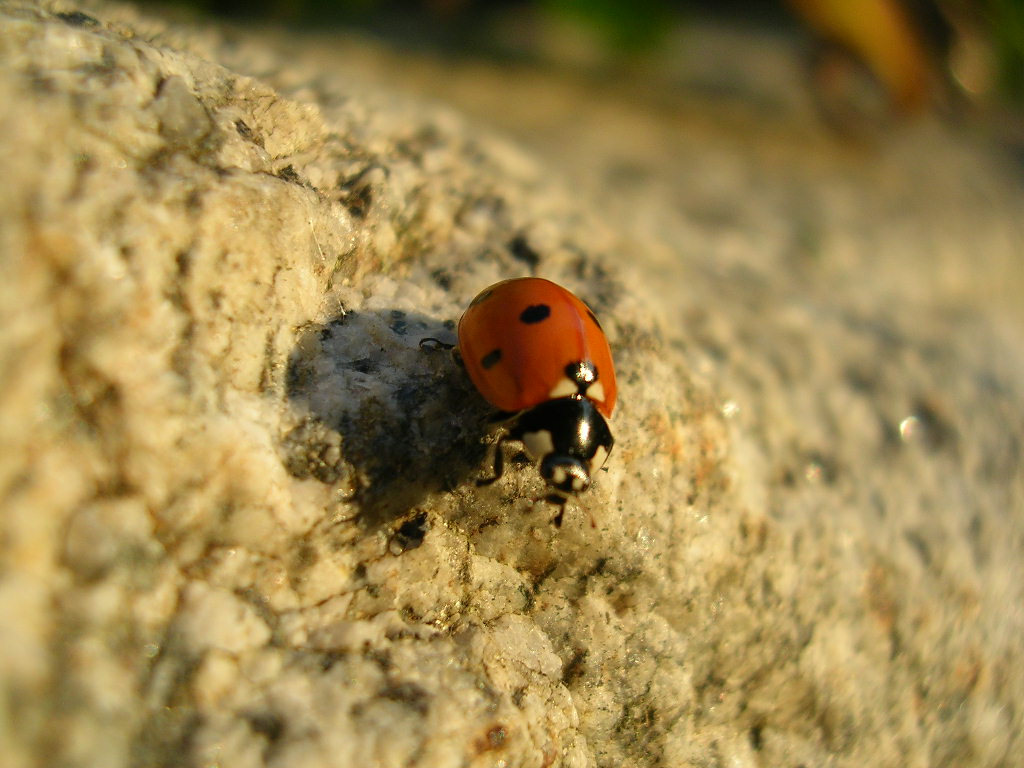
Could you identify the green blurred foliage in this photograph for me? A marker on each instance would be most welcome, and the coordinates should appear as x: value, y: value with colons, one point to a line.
x: 631, y: 26
x: 1006, y: 25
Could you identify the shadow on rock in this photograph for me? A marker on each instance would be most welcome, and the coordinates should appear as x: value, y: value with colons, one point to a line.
x: 394, y: 420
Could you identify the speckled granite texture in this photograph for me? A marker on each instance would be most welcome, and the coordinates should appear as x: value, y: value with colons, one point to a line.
x: 238, y: 522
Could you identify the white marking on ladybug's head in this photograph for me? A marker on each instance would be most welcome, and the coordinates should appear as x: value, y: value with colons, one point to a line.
x: 564, y: 388
x: 596, y: 391
x: 565, y: 473
x: 538, y: 444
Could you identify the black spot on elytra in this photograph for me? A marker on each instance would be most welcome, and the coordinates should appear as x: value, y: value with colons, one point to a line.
x: 535, y: 313
x: 491, y: 359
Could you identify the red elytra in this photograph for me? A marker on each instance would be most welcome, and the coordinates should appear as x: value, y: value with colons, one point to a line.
x: 523, y: 342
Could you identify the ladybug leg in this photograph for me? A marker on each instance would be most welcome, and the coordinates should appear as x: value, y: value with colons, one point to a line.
x: 499, y: 416
x: 561, y: 501
x: 499, y: 462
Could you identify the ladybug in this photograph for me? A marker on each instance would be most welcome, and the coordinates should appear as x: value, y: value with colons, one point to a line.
x: 537, y: 353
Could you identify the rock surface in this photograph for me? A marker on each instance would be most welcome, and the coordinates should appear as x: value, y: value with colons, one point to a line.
x: 238, y: 523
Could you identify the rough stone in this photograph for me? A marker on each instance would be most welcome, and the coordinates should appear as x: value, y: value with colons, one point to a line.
x: 238, y: 522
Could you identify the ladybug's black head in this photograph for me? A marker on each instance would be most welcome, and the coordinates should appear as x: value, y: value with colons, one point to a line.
x: 569, y: 437
x: 565, y: 473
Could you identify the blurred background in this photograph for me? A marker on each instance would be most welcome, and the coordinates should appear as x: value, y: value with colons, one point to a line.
x: 874, y: 145
x: 918, y: 54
